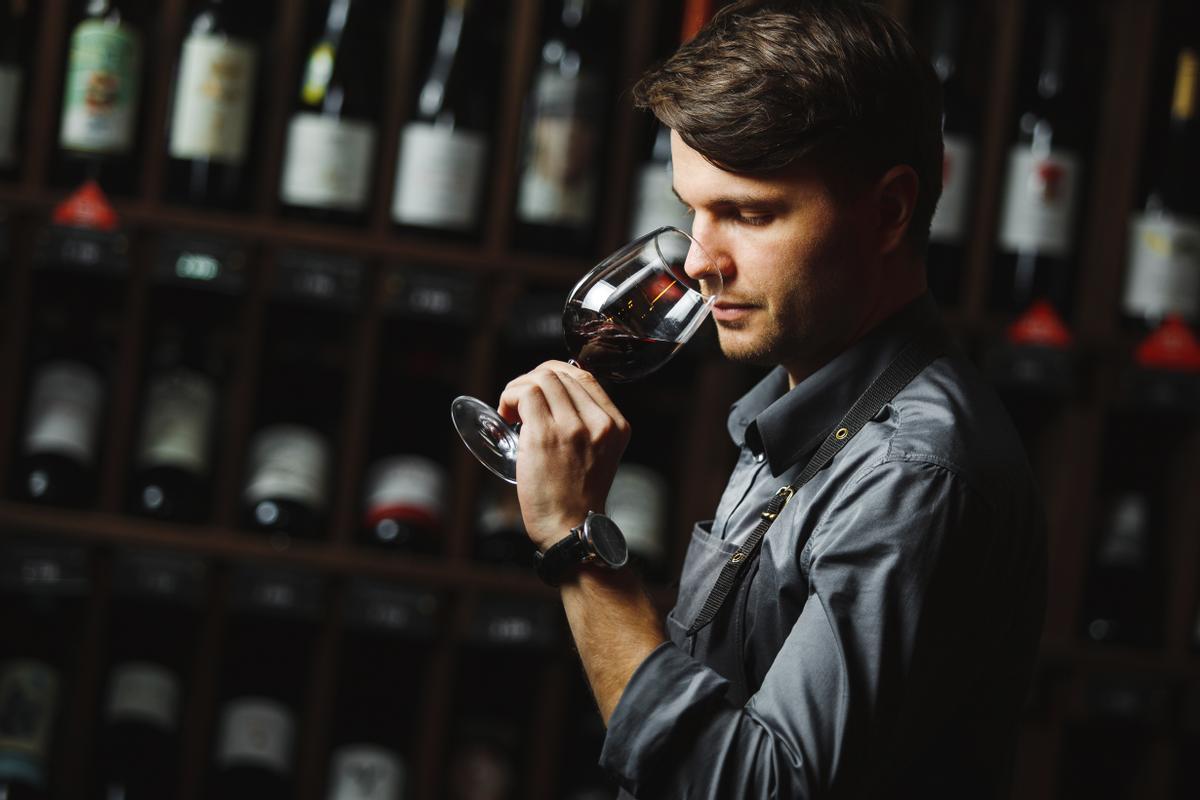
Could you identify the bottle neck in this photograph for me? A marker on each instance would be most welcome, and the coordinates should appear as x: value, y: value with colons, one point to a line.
x: 1173, y: 189
x: 1055, y: 44
x: 431, y: 103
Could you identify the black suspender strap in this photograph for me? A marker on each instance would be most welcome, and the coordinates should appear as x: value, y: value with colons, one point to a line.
x: 905, y: 366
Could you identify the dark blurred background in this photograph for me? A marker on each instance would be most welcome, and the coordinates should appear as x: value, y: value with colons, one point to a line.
x: 249, y: 252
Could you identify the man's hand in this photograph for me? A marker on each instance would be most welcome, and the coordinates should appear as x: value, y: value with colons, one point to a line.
x: 572, y: 438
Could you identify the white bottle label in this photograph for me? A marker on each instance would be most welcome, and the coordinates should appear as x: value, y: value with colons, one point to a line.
x: 949, y: 225
x: 1124, y: 542
x: 28, y: 704
x: 144, y: 692
x: 637, y: 502
x: 213, y: 99
x: 409, y: 487
x: 256, y: 732
x: 1164, y: 267
x: 439, y: 177
x: 290, y: 463
x: 10, y: 96
x: 655, y: 203
x: 179, y: 417
x: 328, y: 162
x: 365, y: 772
x: 1040, y: 199
x: 100, y: 101
x: 559, y: 174
x: 64, y: 411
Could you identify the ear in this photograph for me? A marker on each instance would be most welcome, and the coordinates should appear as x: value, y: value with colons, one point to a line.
x: 895, y: 200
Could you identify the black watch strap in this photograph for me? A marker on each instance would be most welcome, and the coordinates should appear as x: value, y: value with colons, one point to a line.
x: 561, y: 558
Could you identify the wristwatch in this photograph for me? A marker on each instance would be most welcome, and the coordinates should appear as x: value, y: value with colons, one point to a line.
x: 597, y: 541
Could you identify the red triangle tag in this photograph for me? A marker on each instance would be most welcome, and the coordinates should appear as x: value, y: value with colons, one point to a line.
x: 1173, y: 346
x: 87, y: 208
x: 1040, y: 326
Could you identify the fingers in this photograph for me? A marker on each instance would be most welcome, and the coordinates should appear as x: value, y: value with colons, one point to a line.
x: 555, y: 403
x: 574, y: 376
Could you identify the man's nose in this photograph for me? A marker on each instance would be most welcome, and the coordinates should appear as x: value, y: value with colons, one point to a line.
x: 706, y: 257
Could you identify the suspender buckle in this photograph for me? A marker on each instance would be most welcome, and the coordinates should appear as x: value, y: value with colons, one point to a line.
x: 786, y: 493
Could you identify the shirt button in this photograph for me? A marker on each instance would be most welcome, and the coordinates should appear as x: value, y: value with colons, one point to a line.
x: 761, y: 457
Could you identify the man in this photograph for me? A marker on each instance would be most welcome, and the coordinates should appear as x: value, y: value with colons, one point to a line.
x: 879, y: 642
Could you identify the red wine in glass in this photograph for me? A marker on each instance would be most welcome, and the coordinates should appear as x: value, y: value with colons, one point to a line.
x: 609, y: 349
x: 621, y: 321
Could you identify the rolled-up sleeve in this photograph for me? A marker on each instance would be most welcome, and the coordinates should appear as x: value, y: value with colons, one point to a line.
x: 904, y: 602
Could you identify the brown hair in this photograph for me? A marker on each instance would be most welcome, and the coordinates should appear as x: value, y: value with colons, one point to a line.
x: 769, y: 82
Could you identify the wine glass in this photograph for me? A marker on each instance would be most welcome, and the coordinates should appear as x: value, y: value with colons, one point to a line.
x: 622, y: 321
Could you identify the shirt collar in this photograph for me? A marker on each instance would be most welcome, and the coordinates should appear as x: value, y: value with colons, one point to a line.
x: 783, y: 426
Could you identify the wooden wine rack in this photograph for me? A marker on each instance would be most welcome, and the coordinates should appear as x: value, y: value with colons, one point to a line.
x: 1066, y: 458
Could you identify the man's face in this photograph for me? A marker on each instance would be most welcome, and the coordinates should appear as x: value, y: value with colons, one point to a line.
x: 798, y: 278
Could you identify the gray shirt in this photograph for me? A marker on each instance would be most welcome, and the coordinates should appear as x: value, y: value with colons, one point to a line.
x: 886, y: 638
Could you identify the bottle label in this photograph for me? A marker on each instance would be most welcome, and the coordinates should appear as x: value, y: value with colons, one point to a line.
x: 365, y: 772
x: 10, y: 96
x: 439, y: 177
x: 289, y: 463
x: 28, y: 704
x: 1124, y: 542
x: 559, y: 175
x: 179, y: 417
x: 1040, y: 197
x: 213, y: 99
x: 637, y: 502
x: 144, y: 693
x: 408, y: 487
x: 100, y: 101
x: 64, y: 411
x: 328, y: 162
x: 256, y: 732
x: 1164, y: 267
x: 949, y: 225
x: 655, y: 204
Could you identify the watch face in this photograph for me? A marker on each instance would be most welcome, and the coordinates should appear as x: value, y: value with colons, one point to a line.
x: 606, y: 540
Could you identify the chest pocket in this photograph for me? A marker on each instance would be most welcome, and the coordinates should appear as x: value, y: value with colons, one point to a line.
x: 706, y: 555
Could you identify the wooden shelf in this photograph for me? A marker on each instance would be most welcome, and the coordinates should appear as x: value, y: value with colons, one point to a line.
x: 233, y: 545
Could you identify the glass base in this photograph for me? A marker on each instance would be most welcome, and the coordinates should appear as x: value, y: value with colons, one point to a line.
x: 485, y: 434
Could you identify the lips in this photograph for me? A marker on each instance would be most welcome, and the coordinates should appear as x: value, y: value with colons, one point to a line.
x: 725, y: 311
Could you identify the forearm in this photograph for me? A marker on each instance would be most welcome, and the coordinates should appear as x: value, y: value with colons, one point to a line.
x: 615, y: 626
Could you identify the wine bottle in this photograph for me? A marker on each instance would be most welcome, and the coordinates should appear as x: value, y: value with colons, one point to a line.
x: 13, y: 52
x: 152, y: 644
x: 948, y: 229
x: 61, y: 438
x: 500, y: 536
x: 442, y: 165
x: 211, y: 120
x: 287, y: 482
x: 637, y: 502
x: 654, y: 201
x: 330, y: 149
x: 405, y: 504
x: 1046, y: 163
x: 563, y: 131
x: 98, y: 132
x: 140, y: 738
x: 374, y: 731
x: 1164, y: 238
x: 263, y: 678
x: 43, y: 589
x: 1119, y: 604
x: 172, y: 470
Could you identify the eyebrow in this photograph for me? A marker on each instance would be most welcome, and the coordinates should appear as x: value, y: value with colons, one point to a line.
x: 738, y: 200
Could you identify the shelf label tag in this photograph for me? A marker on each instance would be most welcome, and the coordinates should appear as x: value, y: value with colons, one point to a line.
x: 204, y: 262
x: 319, y: 278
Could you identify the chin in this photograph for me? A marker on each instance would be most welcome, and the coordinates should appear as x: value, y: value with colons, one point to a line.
x: 746, y: 350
